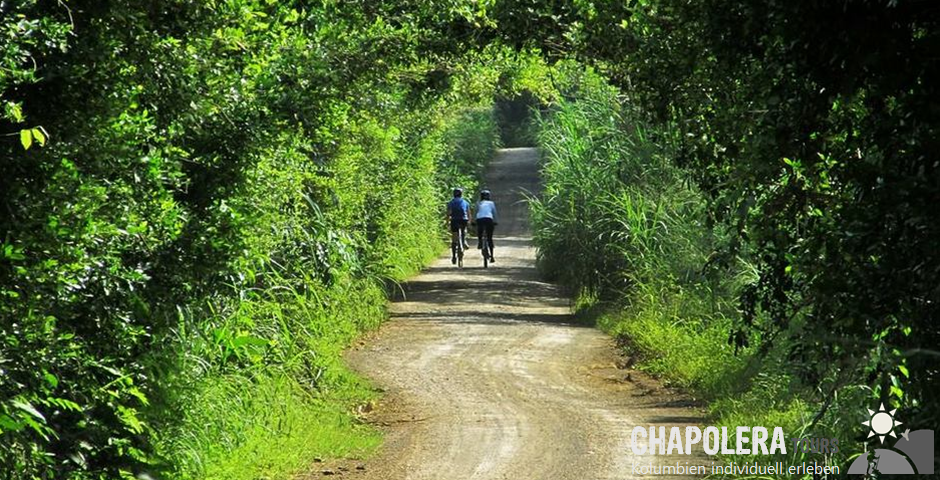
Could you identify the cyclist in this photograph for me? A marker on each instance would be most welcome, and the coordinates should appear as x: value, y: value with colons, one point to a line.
x: 458, y: 213
x: 486, y: 220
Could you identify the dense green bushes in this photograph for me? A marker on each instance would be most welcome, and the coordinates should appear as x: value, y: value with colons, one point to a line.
x: 620, y: 224
x: 613, y: 195
x: 811, y: 128
x: 819, y: 148
x: 226, y: 191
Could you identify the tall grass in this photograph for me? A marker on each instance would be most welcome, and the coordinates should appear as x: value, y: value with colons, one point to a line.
x: 620, y: 225
x: 248, y: 415
x: 613, y: 196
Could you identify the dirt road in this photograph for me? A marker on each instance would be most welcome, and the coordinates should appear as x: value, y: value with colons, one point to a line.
x: 487, y: 376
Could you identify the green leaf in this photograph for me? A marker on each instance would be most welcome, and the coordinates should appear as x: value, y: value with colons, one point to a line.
x: 37, y: 427
x: 13, y: 111
x: 64, y: 404
x: 904, y: 371
x: 136, y: 393
x: 26, y: 138
x: 39, y: 136
x: 128, y: 417
x: 28, y: 408
x: 53, y: 381
x: 897, y: 392
x: 9, y: 424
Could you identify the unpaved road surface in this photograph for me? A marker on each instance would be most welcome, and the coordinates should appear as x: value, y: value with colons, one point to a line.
x: 487, y: 375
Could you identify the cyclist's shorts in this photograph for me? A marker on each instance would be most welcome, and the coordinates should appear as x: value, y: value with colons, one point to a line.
x: 486, y: 224
x: 457, y: 224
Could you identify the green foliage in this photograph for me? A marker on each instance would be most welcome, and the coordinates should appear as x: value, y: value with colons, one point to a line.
x: 644, y: 269
x: 224, y: 193
x: 612, y: 195
x: 261, y: 390
x: 516, y: 120
x: 810, y: 128
x: 29, y: 32
x: 469, y: 146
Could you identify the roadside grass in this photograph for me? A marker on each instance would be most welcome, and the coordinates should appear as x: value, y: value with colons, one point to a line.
x: 268, y: 407
x: 689, y: 354
x: 281, y: 428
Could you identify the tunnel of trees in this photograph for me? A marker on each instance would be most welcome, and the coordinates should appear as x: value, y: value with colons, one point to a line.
x: 200, y: 206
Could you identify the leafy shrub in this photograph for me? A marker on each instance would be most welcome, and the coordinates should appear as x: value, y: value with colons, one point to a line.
x: 644, y: 269
x: 810, y: 127
x: 225, y: 193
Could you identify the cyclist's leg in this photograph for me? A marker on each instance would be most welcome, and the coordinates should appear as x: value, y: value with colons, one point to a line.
x: 463, y: 234
x: 489, y: 236
x: 454, y: 238
x: 481, y: 230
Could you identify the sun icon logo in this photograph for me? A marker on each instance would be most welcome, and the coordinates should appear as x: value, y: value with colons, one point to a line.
x: 882, y: 423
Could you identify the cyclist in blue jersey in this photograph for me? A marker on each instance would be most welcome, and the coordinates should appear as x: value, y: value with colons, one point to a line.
x: 458, y: 214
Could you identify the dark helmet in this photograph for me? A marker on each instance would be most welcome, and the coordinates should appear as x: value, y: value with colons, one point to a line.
x: 485, y: 195
x: 458, y: 192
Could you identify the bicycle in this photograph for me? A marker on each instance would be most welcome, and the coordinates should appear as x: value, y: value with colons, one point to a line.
x: 487, y: 250
x: 485, y: 240
x: 456, y: 247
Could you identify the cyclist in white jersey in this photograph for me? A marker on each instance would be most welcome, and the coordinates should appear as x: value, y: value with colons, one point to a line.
x: 486, y: 220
